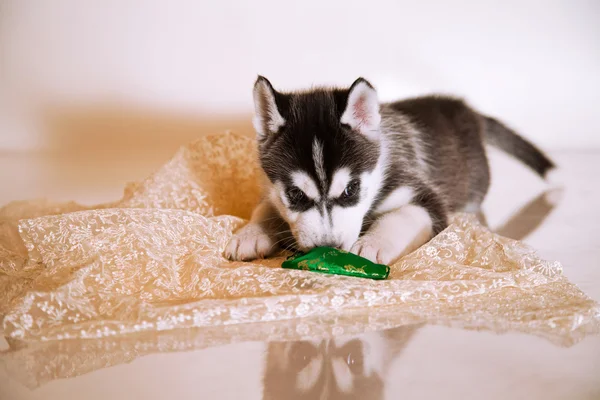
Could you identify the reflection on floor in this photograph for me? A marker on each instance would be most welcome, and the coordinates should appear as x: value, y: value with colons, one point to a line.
x: 338, y: 368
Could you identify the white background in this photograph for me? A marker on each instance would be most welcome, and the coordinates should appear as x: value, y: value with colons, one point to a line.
x: 535, y: 64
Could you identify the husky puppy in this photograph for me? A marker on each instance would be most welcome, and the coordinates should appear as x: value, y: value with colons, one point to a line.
x: 379, y: 180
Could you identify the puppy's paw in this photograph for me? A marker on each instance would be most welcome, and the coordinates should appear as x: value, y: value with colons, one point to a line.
x: 251, y: 242
x: 376, y: 249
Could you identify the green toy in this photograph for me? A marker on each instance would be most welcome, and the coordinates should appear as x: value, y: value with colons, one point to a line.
x: 333, y: 261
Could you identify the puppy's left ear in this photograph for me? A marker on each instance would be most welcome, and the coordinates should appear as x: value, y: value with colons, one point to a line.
x: 267, y: 117
x: 362, y: 109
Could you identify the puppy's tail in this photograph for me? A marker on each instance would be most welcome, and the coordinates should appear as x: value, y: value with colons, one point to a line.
x: 499, y: 135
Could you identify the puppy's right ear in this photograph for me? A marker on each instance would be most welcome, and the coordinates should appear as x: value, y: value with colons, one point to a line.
x: 362, y: 110
x: 267, y: 117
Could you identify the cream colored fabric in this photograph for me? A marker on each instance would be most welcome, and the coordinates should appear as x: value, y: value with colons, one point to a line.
x: 153, y: 262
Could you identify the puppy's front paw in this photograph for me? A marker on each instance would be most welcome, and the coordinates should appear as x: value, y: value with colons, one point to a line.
x: 250, y: 243
x: 376, y: 249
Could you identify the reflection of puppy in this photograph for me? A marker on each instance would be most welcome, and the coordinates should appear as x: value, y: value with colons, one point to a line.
x: 339, y: 368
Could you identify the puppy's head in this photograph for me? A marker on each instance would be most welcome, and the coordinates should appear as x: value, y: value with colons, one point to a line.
x: 321, y: 152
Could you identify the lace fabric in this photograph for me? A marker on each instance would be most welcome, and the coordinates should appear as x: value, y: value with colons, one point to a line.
x: 151, y: 264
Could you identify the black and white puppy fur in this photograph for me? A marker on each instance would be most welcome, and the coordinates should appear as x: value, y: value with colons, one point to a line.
x: 379, y: 180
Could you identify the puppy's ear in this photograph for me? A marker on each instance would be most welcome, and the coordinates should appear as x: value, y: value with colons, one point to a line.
x: 362, y: 109
x: 267, y: 117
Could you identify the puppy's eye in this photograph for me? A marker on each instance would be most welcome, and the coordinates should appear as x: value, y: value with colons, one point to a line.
x: 296, y: 196
x: 351, y: 190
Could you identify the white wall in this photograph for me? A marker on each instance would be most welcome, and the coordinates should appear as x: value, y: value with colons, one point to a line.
x: 535, y: 64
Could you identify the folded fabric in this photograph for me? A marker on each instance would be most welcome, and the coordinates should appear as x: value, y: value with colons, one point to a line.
x: 153, y: 261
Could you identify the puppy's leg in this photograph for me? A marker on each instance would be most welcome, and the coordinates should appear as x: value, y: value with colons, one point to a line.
x: 400, y: 231
x: 254, y: 240
x: 394, y: 234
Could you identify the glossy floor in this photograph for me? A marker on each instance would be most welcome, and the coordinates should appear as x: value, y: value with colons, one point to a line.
x: 407, y: 362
